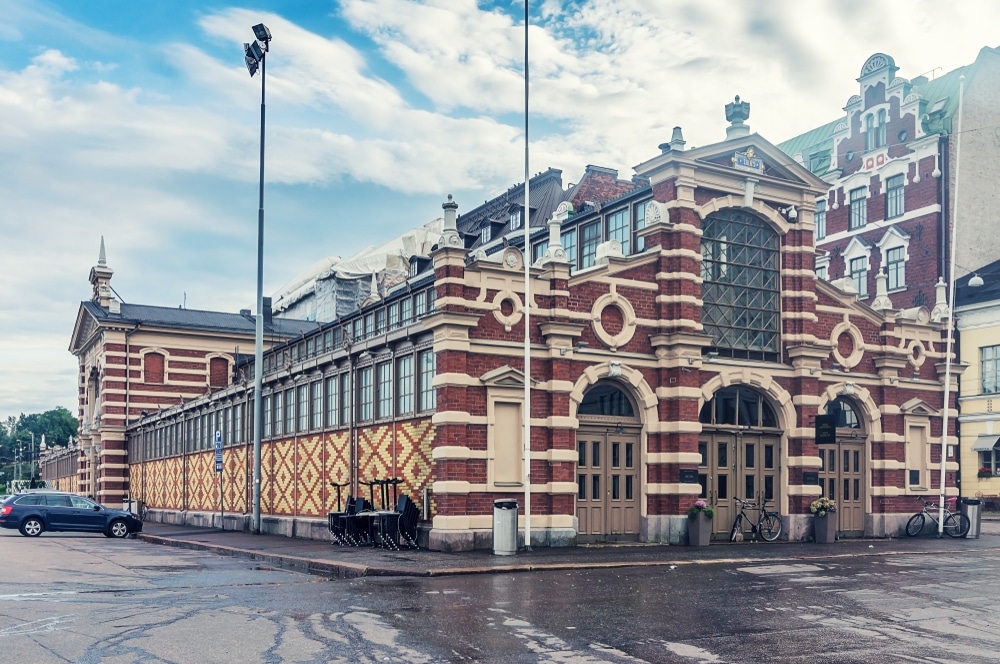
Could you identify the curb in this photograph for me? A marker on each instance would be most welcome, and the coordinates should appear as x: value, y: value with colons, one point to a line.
x: 344, y: 570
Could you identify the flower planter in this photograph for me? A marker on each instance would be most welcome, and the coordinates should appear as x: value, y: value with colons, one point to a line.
x: 826, y: 528
x: 699, y: 530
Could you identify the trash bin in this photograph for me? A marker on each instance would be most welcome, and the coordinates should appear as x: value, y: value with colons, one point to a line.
x: 504, y: 527
x: 973, y: 509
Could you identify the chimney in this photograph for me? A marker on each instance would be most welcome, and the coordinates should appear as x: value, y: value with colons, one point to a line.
x: 677, y: 140
x: 267, y: 311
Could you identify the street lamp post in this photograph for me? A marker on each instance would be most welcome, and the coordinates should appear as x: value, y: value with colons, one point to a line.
x: 255, y: 55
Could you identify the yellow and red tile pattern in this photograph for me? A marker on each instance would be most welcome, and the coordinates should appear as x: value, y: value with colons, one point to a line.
x: 295, y: 473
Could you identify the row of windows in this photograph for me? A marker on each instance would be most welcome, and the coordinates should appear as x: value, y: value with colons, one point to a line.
x: 154, y: 370
x: 377, y: 321
x: 895, y: 271
x: 399, y: 387
x: 858, y: 212
x: 580, y: 242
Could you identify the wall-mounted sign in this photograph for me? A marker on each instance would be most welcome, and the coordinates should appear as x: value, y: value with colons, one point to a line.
x: 748, y: 161
x: 826, y: 429
x: 689, y: 476
x: 810, y: 478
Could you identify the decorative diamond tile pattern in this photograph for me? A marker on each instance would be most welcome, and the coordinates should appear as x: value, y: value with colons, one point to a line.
x: 295, y: 473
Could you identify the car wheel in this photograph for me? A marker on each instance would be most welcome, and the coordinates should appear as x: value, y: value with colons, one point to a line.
x: 32, y: 527
x: 118, y: 528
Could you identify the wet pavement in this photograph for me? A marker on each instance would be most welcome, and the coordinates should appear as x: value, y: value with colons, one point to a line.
x: 334, y: 561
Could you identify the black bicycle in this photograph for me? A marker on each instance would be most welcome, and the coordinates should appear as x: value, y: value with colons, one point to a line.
x: 767, y: 524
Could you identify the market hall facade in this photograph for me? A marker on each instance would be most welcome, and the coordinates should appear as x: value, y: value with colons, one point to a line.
x: 681, y: 347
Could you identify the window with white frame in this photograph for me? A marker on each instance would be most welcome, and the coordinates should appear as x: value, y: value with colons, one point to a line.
x: 895, y: 268
x: 278, y: 414
x: 404, y: 385
x: 869, y: 132
x: 989, y: 462
x: 640, y: 223
x: 538, y: 250
x: 426, y: 368
x: 989, y: 369
x: 366, y: 392
x: 880, y: 133
x: 484, y: 234
x: 290, y: 411
x: 515, y: 219
x: 820, y: 218
x: 346, y: 398
x: 405, y: 309
x: 419, y: 305
x: 590, y: 237
x: 393, y: 316
x: 894, y: 196
x: 303, y: 405
x: 332, y: 401
x: 384, y: 403
x: 859, y: 275
x: 859, y: 208
x: 618, y: 229
x: 238, y: 424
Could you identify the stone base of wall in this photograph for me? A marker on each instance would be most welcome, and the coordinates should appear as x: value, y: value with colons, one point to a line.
x: 469, y: 540
x: 303, y: 528
x: 663, y: 529
x: 888, y: 525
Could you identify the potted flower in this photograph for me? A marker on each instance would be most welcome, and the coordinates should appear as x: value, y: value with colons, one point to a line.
x: 985, y: 472
x: 700, y: 523
x: 825, y: 522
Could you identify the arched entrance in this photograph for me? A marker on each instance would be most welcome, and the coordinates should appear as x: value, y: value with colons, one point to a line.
x: 740, y: 452
x: 608, y: 454
x: 842, y: 473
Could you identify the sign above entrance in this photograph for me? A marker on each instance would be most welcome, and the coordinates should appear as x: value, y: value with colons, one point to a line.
x: 826, y: 429
x: 748, y: 161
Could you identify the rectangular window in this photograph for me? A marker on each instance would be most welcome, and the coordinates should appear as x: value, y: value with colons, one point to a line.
x: 859, y: 274
x: 538, y: 250
x: 895, y: 268
x: 346, y: 398
x: 569, y: 244
x: 267, y: 416
x: 404, y: 385
x: 369, y: 325
x: 431, y: 298
x: 640, y: 222
x: 317, y: 404
x: 327, y: 341
x: 484, y: 234
x: 384, y: 403
x: 405, y: 311
x: 590, y: 237
x: 820, y: 219
x: 303, y: 403
x: 426, y: 367
x: 278, y: 414
x: 822, y: 273
x: 332, y: 401
x: 989, y: 369
x: 419, y: 305
x: 380, y: 321
x: 515, y: 219
x: 393, y: 316
x: 227, y: 424
x: 366, y: 392
x: 618, y: 229
x: 290, y: 411
x: 894, y: 197
x: 358, y: 329
x: 310, y: 347
x: 859, y: 208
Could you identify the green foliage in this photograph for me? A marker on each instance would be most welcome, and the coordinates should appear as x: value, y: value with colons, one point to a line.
x: 701, y: 507
x: 822, y: 506
x: 57, y: 425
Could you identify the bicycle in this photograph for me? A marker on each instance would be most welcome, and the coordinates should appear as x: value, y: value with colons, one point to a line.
x: 956, y: 524
x: 768, y: 524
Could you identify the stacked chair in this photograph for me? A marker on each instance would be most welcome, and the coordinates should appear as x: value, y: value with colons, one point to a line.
x: 361, y: 524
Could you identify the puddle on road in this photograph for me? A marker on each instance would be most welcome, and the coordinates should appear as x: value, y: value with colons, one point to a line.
x: 781, y: 569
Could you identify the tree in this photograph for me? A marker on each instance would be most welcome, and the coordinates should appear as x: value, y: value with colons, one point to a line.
x: 57, y: 425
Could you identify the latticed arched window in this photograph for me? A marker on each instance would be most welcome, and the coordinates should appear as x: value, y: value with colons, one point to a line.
x: 847, y: 417
x: 739, y: 406
x: 740, y: 267
x: 605, y: 399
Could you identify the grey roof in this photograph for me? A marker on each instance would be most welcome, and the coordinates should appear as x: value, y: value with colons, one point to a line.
x: 194, y: 319
x: 546, y: 194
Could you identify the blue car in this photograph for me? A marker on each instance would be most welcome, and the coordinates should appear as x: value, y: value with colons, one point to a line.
x: 37, y: 511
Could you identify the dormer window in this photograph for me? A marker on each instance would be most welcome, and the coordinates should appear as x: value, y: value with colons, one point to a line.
x: 875, y: 130
x: 484, y: 234
x: 515, y: 219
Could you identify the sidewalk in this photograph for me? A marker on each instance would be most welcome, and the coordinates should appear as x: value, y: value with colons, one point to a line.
x: 333, y: 561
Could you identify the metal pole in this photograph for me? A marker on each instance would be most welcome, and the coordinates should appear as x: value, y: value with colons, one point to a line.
x: 527, y: 303
x: 258, y: 365
x: 951, y: 312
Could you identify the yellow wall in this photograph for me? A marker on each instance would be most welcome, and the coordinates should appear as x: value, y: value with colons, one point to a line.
x: 979, y: 413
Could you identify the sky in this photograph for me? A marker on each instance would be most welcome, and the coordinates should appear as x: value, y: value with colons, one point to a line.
x: 138, y: 122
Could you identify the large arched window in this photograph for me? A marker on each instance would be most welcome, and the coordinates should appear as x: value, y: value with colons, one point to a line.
x: 847, y: 416
x: 605, y: 399
x: 740, y: 267
x: 740, y: 406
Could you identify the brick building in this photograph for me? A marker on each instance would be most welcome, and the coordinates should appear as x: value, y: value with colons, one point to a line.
x: 680, y: 346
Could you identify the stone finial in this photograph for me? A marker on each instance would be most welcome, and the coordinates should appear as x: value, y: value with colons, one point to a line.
x: 102, y: 256
x: 449, y: 234
x: 737, y: 113
x: 881, y: 301
x: 100, y: 278
x: 677, y: 141
x: 941, y: 311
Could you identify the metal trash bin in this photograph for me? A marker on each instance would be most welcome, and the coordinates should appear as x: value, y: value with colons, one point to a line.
x: 973, y: 509
x: 504, y: 527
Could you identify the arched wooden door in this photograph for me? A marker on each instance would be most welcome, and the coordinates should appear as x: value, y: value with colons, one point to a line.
x: 843, y: 469
x: 608, y: 477
x: 740, y: 453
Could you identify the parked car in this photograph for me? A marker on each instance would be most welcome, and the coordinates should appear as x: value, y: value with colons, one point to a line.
x: 34, y: 512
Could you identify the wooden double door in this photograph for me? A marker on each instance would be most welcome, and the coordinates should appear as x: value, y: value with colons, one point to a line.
x: 607, y: 498
x: 738, y: 465
x: 842, y: 477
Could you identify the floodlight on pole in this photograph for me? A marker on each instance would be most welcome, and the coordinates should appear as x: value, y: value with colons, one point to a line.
x: 255, y: 56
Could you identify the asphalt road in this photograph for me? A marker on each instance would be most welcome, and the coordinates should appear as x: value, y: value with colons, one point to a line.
x: 82, y: 598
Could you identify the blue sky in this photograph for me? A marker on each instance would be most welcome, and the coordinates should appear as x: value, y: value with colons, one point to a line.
x: 137, y: 121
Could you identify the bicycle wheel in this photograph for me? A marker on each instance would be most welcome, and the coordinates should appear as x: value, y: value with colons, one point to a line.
x: 770, y: 527
x: 957, y: 525
x: 915, y: 525
x: 737, y: 528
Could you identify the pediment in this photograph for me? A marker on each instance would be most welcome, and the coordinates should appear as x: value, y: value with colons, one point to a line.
x: 505, y: 376
x: 756, y: 156
x: 83, y: 330
x: 916, y: 406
